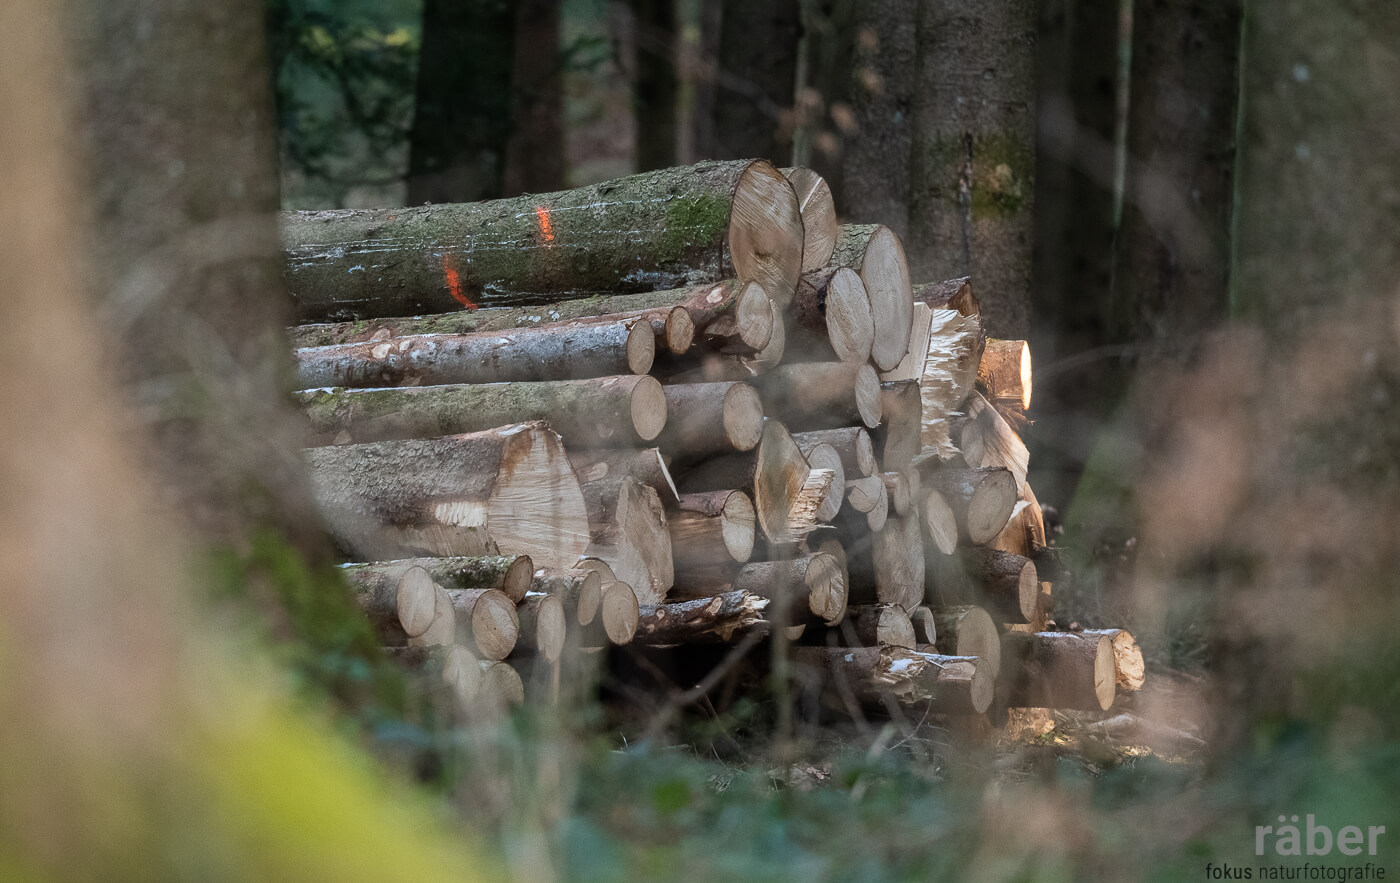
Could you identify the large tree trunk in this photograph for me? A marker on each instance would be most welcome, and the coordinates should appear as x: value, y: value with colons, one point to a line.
x: 656, y: 230
x: 462, y: 120
x: 973, y: 171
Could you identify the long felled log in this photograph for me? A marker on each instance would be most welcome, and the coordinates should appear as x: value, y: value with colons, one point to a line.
x: 1130, y: 672
x: 1058, y: 670
x: 713, y: 620
x: 487, y: 622
x: 981, y: 499
x: 775, y: 472
x: 509, y: 573
x: 831, y: 317
x: 1007, y: 583
x: 819, y: 225
x: 815, y: 579
x: 1005, y: 373
x: 709, y: 528
x: 951, y: 684
x: 875, y: 252
x: 543, y: 626
x: 504, y: 491
x: 586, y: 413
x: 821, y: 395
x: 851, y: 442
x: 550, y: 352
x: 663, y: 229
x: 710, y: 418
x: 968, y: 631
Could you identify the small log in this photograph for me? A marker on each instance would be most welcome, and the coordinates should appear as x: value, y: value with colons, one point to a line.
x: 911, y: 367
x: 1005, y: 373
x: 1058, y: 670
x: 580, y: 590
x: 816, y: 579
x: 713, y: 620
x: 601, y: 474
x: 443, y: 628
x: 869, y: 497
x: 775, y: 473
x: 819, y: 225
x: 877, y: 624
x: 543, y: 626
x: 951, y: 684
x: 509, y: 573
x: 500, y: 689
x: 710, y: 418
x: 1129, y: 670
x: 825, y: 457
x: 987, y: 440
x: 1024, y: 533
x: 925, y: 626
x: 952, y: 294
x: 948, y: 376
x: 851, y: 442
x: 875, y: 252
x: 662, y: 229
x: 981, y: 499
x: 820, y: 395
x: 890, y: 568
x: 831, y: 317
x: 398, y: 601
x: 968, y: 631
x: 900, y: 487
x: 718, y: 526
x: 1007, y: 583
x: 617, y: 618
x: 940, y: 524
x: 597, y: 412
x: 899, y: 439
x: 487, y: 622
x: 636, y: 544
x: 503, y: 491
x: 568, y: 351
x: 747, y: 328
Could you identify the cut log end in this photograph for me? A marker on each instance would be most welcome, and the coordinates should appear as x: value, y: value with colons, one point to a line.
x: 743, y: 417
x: 1005, y: 372
x: 754, y: 316
x: 969, y: 631
x: 494, y: 624
x: 818, y: 209
x: 850, y: 328
x: 679, y: 330
x: 939, y: 523
x: 885, y: 272
x: 544, y: 625
x: 641, y: 347
x: 990, y: 505
x: 416, y: 601
x: 1129, y: 669
x: 824, y: 456
x: 868, y: 396
x: 619, y: 612
x: 519, y: 575
x: 765, y: 231
x: 826, y: 588
x: 737, y: 525
x: 648, y: 408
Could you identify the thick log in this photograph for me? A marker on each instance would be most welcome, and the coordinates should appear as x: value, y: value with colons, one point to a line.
x: 543, y: 626
x: 775, y: 473
x: 1129, y: 670
x: 579, y: 590
x: 509, y: 573
x: 948, y: 376
x: 950, y: 684
x: 814, y: 579
x: 899, y: 439
x: 981, y: 499
x: 951, y: 294
x: 504, y: 491
x: 713, y: 620
x: 570, y: 351
x: 890, y: 568
x: 399, y: 601
x: 877, y: 624
x: 617, y: 619
x: 875, y: 252
x: 663, y: 229
x: 968, y: 631
x: 710, y: 528
x: 1058, y: 670
x: 1006, y: 583
x: 851, y: 442
x: 822, y: 395
x: 487, y: 623
x: 925, y: 626
x: 825, y: 457
x: 601, y: 474
x: 820, y: 227
x: 1005, y: 373
x: 986, y: 440
x: 710, y: 418
x: 831, y: 317
x: 940, y: 524
x: 585, y: 413
x: 635, y: 543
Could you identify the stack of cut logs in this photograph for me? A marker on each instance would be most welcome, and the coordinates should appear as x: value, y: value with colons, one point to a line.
x: 678, y: 408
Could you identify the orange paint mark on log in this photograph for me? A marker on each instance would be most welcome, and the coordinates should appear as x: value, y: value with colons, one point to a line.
x: 454, y: 283
x: 546, y: 225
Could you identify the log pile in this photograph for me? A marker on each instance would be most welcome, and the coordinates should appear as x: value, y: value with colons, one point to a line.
x: 682, y: 408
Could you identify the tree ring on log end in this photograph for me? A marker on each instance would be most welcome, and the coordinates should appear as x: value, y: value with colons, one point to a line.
x: 765, y: 231
x: 620, y: 611
x: 648, y: 408
x: 849, y: 325
x: 416, y: 601
x: 743, y: 416
x: 885, y: 272
x: 641, y: 347
x: 868, y: 396
x: 754, y: 316
x: 737, y: 526
x: 680, y: 330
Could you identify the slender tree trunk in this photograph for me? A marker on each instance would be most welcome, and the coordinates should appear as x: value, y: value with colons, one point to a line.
x: 755, y: 80
x: 457, y: 147
x: 655, y: 84
x: 973, y: 163
x: 535, y: 150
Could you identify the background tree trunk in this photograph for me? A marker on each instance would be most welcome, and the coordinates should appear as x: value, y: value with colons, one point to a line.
x: 457, y: 147
x: 535, y: 149
x: 755, y: 80
x: 655, y: 83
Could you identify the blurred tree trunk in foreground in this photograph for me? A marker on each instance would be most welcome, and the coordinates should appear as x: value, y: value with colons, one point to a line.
x: 972, y: 175
x: 142, y: 740
x: 457, y: 146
